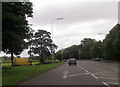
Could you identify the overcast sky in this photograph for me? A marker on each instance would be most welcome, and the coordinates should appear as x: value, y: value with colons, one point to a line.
x: 81, y: 19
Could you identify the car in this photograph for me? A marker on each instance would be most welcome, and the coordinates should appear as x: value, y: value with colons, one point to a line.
x: 72, y: 61
x: 98, y: 59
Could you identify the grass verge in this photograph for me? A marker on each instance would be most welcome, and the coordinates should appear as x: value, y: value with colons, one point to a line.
x: 19, y: 73
x: 85, y: 59
x: 111, y: 61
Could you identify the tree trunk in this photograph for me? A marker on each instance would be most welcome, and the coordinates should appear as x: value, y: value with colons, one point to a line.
x: 12, y: 58
x: 41, y: 55
x: 41, y: 60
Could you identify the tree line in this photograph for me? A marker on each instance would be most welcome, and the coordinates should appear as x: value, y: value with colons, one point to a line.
x: 88, y: 48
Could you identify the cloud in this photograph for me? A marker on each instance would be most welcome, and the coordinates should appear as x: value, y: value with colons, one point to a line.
x: 72, y: 11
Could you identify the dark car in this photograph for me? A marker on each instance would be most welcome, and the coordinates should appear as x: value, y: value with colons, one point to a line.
x: 72, y: 61
x: 98, y: 59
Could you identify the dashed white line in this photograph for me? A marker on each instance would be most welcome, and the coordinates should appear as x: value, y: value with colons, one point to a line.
x: 86, y: 71
x: 106, y: 84
x: 82, y: 68
x: 94, y: 76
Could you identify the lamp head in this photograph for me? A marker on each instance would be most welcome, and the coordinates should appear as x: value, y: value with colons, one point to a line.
x: 59, y: 18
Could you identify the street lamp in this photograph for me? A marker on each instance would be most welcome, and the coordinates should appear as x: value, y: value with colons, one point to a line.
x: 79, y: 54
x: 59, y: 18
x: 101, y: 33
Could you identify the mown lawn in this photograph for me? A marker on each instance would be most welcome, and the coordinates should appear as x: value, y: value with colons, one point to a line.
x: 16, y: 74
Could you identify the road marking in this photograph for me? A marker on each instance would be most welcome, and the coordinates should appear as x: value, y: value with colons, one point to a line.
x: 65, y: 74
x: 105, y: 74
x: 78, y: 74
x: 86, y: 71
x: 94, y: 76
x: 74, y: 75
x: 82, y: 68
x: 108, y: 78
x: 106, y: 84
x: 113, y: 83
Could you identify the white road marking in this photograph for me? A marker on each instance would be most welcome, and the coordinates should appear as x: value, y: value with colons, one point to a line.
x: 113, y: 83
x: 106, y: 84
x: 82, y: 68
x: 94, y: 76
x: 74, y: 75
x: 108, y: 78
x: 105, y: 74
x: 65, y: 74
x: 86, y: 71
x: 78, y: 74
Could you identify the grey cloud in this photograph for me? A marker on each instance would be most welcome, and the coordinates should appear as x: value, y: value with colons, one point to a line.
x: 76, y: 12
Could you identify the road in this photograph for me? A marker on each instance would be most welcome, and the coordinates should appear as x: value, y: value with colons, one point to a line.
x: 84, y: 73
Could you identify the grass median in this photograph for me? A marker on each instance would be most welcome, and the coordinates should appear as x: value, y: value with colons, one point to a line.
x: 20, y: 73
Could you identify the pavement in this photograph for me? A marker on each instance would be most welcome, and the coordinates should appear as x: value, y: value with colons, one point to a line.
x: 84, y: 73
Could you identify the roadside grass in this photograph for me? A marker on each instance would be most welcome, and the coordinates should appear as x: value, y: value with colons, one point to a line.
x: 6, y: 64
x: 18, y: 74
x: 85, y: 59
x: 108, y: 61
x: 111, y: 61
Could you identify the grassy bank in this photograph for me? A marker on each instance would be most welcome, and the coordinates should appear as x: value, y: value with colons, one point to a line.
x: 19, y: 73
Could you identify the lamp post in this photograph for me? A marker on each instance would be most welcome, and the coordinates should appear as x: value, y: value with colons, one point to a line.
x: 52, y: 36
x: 79, y: 54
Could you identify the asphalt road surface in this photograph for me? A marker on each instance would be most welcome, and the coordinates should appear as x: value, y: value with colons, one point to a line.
x: 84, y: 73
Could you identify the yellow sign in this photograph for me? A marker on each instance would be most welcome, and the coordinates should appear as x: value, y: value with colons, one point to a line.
x: 21, y: 61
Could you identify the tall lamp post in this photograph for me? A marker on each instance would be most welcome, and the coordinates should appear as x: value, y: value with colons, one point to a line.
x: 52, y: 20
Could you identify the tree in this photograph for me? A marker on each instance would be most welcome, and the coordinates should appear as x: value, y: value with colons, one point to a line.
x: 67, y: 53
x: 112, y: 43
x: 42, y: 44
x: 15, y: 26
x: 97, y: 50
x: 86, y: 47
x: 58, y: 55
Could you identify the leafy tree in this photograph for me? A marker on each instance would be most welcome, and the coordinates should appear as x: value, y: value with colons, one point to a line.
x: 67, y: 53
x: 59, y: 54
x: 87, y: 45
x: 97, y: 51
x: 73, y: 51
x: 112, y: 43
x: 15, y: 26
x: 42, y: 44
